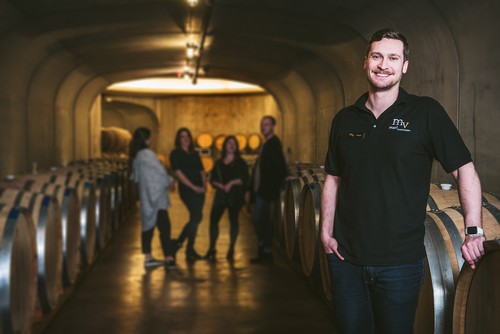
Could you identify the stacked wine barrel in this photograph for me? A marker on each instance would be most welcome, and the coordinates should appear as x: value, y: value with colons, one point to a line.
x: 451, y: 294
x: 52, y: 224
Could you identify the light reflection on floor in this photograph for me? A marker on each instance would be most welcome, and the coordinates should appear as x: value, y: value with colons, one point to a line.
x: 118, y: 295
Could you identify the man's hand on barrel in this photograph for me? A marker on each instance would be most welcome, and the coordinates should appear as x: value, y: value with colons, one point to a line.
x: 472, y: 249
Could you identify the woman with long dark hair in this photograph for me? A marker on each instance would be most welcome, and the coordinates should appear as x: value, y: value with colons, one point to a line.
x: 230, y: 178
x: 153, y: 183
x: 188, y: 169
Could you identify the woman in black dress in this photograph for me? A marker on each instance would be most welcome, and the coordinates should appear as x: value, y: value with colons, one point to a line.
x: 229, y: 177
x: 188, y: 169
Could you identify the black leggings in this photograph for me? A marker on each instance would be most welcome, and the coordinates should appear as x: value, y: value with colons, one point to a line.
x: 163, y: 224
x: 216, y: 213
x: 194, y: 203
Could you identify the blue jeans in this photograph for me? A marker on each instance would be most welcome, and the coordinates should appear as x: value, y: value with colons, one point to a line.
x: 378, y: 299
x: 194, y: 203
x: 262, y: 221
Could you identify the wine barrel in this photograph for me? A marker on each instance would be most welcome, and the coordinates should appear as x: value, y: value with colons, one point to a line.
x: 476, y: 306
x: 219, y: 142
x: 443, y: 239
x: 254, y: 142
x: 115, y: 140
x: 242, y: 141
x: 293, y: 190
x: 70, y: 218
x: 18, y: 270
x: 204, y: 140
x: 46, y: 215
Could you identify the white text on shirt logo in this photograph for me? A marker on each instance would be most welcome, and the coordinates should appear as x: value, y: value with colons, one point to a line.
x: 399, y: 125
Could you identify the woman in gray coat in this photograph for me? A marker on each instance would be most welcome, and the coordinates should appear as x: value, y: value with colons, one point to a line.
x: 154, y: 183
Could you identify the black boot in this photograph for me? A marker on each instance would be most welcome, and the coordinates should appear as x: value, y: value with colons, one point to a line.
x: 263, y: 257
x: 192, y: 256
x: 210, y: 256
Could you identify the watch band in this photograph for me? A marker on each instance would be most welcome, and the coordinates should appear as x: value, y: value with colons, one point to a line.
x: 474, y: 230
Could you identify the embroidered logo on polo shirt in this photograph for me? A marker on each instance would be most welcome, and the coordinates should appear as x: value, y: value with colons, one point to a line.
x: 399, y: 125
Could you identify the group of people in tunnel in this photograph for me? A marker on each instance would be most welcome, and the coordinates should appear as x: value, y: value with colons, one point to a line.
x: 229, y: 177
x: 378, y: 169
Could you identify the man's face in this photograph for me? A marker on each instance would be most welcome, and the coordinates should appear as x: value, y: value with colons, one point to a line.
x: 266, y: 127
x: 385, y: 64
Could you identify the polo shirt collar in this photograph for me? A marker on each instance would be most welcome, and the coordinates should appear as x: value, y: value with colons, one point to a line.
x: 402, y: 98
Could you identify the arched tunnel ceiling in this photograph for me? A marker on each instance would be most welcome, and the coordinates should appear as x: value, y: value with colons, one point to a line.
x: 252, y: 41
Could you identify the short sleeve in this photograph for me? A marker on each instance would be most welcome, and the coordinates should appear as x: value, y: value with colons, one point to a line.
x: 448, y: 146
x: 332, y: 165
x: 174, y: 160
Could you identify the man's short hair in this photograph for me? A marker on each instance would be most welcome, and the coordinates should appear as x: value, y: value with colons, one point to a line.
x: 273, y: 120
x: 390, y: 34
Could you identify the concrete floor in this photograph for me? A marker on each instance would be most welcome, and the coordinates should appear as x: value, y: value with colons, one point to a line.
x: 118, y: 295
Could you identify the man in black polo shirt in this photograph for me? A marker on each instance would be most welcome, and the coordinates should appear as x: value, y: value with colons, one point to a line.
x: 378, y: 169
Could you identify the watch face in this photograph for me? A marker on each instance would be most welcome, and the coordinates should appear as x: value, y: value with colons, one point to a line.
x: 472, y: 230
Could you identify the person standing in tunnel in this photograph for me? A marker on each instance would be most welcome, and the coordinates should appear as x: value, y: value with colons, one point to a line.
x: 188, y: 169
x: 267, y: 181
x: 378, y: 167
x: 154, y: 183
x: 229, y: 178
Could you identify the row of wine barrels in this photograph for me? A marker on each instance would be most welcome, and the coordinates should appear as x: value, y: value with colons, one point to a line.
x: 63, y: 208
x: 103, y: 205
x: 18, y: 269
x: 70, y: 219
x: 46, y: 215
x: 81, y: 216
x: 251, y: 142
x: 115, y: 140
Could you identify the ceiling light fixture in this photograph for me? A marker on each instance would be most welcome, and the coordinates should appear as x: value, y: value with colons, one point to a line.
x: 192, y: 3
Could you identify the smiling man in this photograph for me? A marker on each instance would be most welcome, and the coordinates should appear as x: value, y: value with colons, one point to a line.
x: 374, y: 198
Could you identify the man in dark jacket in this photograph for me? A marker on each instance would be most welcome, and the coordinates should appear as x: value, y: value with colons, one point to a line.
x: 268, y: 178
